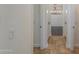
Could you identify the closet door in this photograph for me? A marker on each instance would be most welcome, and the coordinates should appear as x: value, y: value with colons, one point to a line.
x: 44, y: 27
x: 70, y: 14
x: 18, y: 29
x: 3, y: 31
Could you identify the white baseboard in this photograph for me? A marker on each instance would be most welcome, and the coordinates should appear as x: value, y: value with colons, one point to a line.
x: 6, y: 51
x: 36, y: 45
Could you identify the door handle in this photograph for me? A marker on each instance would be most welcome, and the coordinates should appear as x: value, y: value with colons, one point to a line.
x: 65, y: 22
x: 40, y: 26
x: 73, y: 27
x: 48, y: 23
x: 11, y: 35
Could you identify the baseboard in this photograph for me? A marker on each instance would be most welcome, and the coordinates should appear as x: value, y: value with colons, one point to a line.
x: 6, y: 51
x: 36, y: 45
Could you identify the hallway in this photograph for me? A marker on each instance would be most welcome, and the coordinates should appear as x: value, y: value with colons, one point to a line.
x: 56, y: 45
x: 54, y: 29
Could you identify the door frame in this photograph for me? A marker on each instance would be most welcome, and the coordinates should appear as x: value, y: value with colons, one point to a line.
x: 69, y: 16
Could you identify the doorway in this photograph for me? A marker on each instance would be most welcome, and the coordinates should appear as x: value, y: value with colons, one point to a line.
x: 56, y: 27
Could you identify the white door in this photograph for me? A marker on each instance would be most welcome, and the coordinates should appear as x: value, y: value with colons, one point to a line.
x: 70, y: 17
x: 17, y: 29
x: 3, y: 31
x: 44, y: 27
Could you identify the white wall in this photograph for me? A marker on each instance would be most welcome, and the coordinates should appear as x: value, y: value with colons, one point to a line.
x: 57, y: 20
x: 16, y: 33
x: 36, y: 25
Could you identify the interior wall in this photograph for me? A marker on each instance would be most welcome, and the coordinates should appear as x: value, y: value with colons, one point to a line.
x: 36, y: 25
x: 57, y: 20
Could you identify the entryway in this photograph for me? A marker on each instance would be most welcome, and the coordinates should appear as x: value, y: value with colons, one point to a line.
x: 56, y: 28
